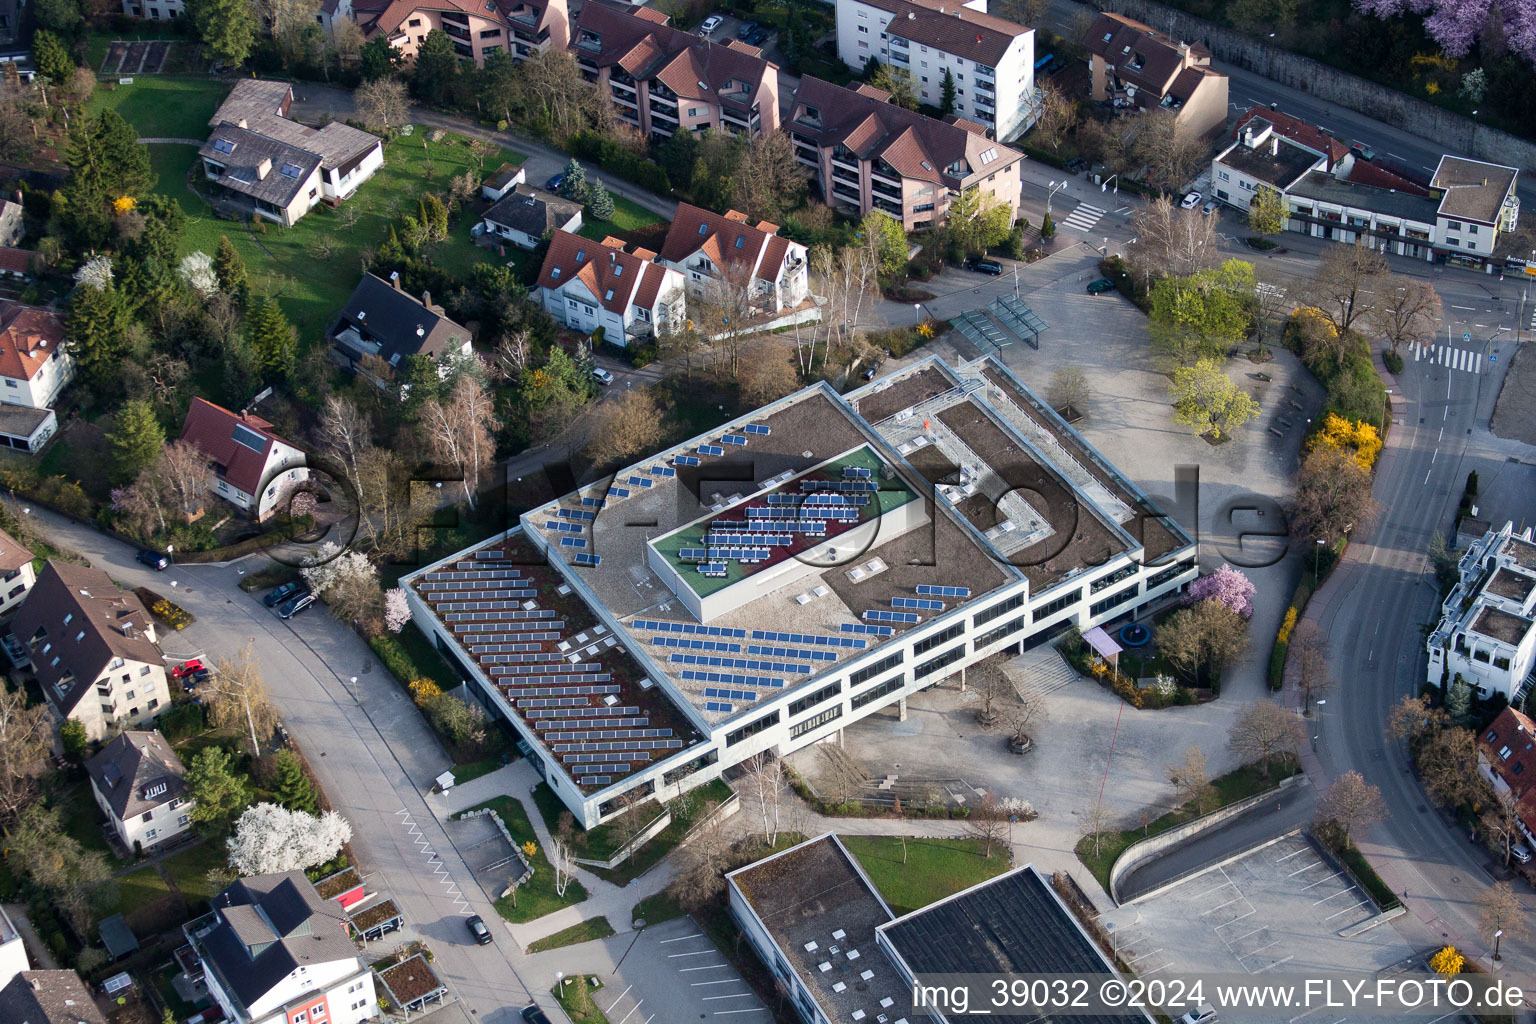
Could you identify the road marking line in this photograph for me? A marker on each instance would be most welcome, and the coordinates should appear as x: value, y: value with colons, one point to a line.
x: 727, y: 981
x: 683, y: 938
x: 1461, y: 307
x: 721, y: 1013
x: 711, y: 967
x: 1243, y: 936
x: 616, y: 1001
x: 1293, y: 853
x: 733, y: 995
x: 1336, y: 895
x: 1207, y: 892
x: 702, y: 952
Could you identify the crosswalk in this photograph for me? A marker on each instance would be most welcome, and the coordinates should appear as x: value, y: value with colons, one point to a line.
x: 1083, y: 218
x: 1445, y: 355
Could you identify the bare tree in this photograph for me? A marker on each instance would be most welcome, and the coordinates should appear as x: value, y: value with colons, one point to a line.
x: 1344, y: 287
x: 552, y: 82
x: 763, y: 784
x: 769, y: 180
x: 459, y: 432
x: 1170, y: 241
x: 1094, y: 823
x: 236, y: 695
x: 1191, y: 784
x: 1502, y: 818
x: 1266, y: 732
x: 184, y: 472
x: 1309, y: 653
x: 1170, y: 153
x: 25, y: 738
x: 1405, y: 311
x: 626, y: 427
x: 723, y: 312
x: 1448, y: 765
x: 840, y: 772
x: 1058, y: 116
x: 847, y: 278
x: 1349, y: 805
x: 383, y: 104
x: 987, y: 824
x: 1413, y: 717
x: 767, y: 371
x: 1500, y: 910
x: 562, y: 853
x: 1271, y: 305
x: 1333, y: 495
x: 1068, y: 389
x: 348, y: 435
x: 511, y: 357
x: 702, y: 862
x: 347, y: 40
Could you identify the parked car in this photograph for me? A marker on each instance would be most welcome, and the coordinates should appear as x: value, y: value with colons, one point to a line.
x: 282, y: 594
x: 553, y: 184
x: 1205, y: 1014
x: 1520, y: 853
x: 154, y: 559
x: 1101, y: 286
x: 745, y: 29
x: 1077, y: 164
x: 1363, y: 151
x: 186, y: 668
x: 478, y: 929
x: 291, y: 607
x: 985, y: 266
x: 603, y: 376
x: 534, y: 1015
x: 710, y: 24
x: 1209, y: 208
x: 758, y: 37
x: 1191, y: 201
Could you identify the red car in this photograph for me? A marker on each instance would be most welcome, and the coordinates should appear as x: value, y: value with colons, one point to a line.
x: 187, y: 668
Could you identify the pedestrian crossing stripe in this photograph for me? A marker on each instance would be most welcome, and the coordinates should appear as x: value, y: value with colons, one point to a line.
x: 1445, y: 355
x: 1083, y: 218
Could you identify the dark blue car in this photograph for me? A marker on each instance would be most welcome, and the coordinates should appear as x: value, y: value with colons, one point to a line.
x: 553, y: 184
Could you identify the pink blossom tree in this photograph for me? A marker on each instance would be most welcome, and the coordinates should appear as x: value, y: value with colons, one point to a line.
x: 1457, y: 24
x: 1227, y: 585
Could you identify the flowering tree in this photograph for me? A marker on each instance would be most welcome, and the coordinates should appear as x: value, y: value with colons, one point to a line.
x: 349, y: 566
x: 396, y: 612
x: 269, y: 838
x: 1226, y: 585
x: 1457, y: 24
x: 196, y: 268
x: 96, y: 272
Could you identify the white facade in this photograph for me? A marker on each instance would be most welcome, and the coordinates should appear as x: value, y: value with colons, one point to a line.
x: 285, y: 468
x: 127, y: 694
x: 13, y: 955
x: 575, y: 306
x: 1486, y: 634
x: 155, y: 10
x: 14, y: 587
x: 337, y: 186
x: 1001, y: 98
x: 148, y: 828
x: 339, y: 989
x: 524, y: 240
x: 42, y: 389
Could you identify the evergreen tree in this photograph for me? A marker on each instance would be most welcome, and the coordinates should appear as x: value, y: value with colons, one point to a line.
x: 377, y: 58
x: 290, y: 785
x: 871, y: 68
x: 106, y: 163
x: 600, y: 205
x: 227, y: 28
x: 99, y: 323
x: 947, y: 95
x: 229, y: 267
x: 51, y: 57
x: 136, y: 439
x: 434, y: 217
x: 575, y: 184
x: 272, y: 339
x: 1458, y: 700
x: 74, y: 740
x: 419, y: 377
x: 437, y: 65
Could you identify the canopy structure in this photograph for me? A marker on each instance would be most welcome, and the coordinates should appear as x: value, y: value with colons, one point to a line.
x: 1103, y: 644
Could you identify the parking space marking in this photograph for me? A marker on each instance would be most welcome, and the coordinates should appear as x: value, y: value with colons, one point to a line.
x: 1277, y: 963
x: 1202, y: 895
x: 681, y: 938
x: 1309, y: 867
x: 1252, y: 952
x: 727, y: 981
x: 632, y: 1009
x: 733, y: 995
x: 754, y: 1009
x: 1332, y: 876
x: 701, y: 952
x: 1236, y: 899
x: 1293, y: 853
x: 616, y: 1001
x: 711, y: 967
x: 1336, y: 895
x: 1355, y: 906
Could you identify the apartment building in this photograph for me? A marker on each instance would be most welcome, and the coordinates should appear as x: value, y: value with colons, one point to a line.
x: 519, y: 28
x: 991, y: 60
x: 17, y: 577
x: 1506, y: 751
x: 798, y: 572
x: 1134, y: 67
x: 34, y: 367
x: 93, y: 648
x: 630, y: 295
x: 137, y: 782
x: 866, y: 153
x: 48, y: 997
x: 717, y: 253
x: 154, y: 10
x: 1486, y: 634
x: 664, y: 80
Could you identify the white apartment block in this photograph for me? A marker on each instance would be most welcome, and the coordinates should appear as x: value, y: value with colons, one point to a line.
x: 1486, y: 633
x: 137, y: 782
x: 992, y: 60
x: 796, y: 574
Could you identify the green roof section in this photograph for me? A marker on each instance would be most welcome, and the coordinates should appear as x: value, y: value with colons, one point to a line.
x: 892, y: 494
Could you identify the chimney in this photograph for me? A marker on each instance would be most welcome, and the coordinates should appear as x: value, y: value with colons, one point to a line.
x: 426, y: 299
x: 1274, y: 145
x: 394, y: 279
x: 1248, y: 136
x: 264, y: 168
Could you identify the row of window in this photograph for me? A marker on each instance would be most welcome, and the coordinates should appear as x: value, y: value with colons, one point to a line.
x: 751, y: 729
x: 799, y: 729
x: 931, y: 666
x: 811, y: 700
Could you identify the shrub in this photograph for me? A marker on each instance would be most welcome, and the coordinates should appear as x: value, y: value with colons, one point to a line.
x: 1392, y: 361
x: 615, y: 159
x: 182, y: 721
x: 172, y: 615
x: 424, y: 691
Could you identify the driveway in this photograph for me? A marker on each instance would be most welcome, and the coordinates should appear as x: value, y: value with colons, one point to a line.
x: 368, y: 745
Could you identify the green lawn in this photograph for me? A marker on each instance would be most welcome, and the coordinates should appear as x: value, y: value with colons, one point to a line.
x: 587, y: 1012
x: 586, y: 931
x: 537, y: 896
x: 627, y: 216
x: 139, y: 889
x: 83, y: 820
x: 188, y: 870
x: 463, y: 773
x: 658, y: 908
x: 177, y: 108
x: 934, y: 869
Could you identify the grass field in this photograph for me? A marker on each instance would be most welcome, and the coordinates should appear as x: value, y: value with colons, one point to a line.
x: 581, y: 1009
x: 537, y: 896
x: 163, y: 108
x: 586, y: 931
x: 934, y: 868
x: 188, y: 870
x: 627, y: 216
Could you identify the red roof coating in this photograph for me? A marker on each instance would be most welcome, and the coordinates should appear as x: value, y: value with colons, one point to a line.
x: 1363, y: 172
x: 15, y: 261
x: 212, y: 428
x: 618, y: 279
x: 1515, y: 733
x: 1297, y: 130
x: 29, y: 336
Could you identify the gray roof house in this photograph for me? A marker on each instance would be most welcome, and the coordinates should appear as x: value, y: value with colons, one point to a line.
x: 382, y: 319
x: 527, y: 214
x: 48, y: 997
x: 137, y: 781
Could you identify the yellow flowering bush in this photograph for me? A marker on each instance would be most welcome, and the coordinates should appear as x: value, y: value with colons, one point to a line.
x: 123, y: 204
x: 1448, y: 961
x: 1288, y: 625
x: 1341, y: 434
x: 423, y: 690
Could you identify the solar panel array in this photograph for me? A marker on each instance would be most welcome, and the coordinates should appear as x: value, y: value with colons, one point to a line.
x: 857, y: 473
x: 578, y: 513
x: 660, y: 626
x: 906, y: 618
x: 718, y: 570
x: 739, y: 554
x: 714, y: 691
x: 747, y: 664
x: 618, y: 492
x: 756, y: 538
x: 838, y: 485
x: 701, y: 676
x: 592, y: 502
x: 809, y: 638
x: 859, y: 627
x: 686, y: 460
x: 641, y: 481
x: 663, y: 471
x: 710, y: 449
x: 736, y: 439
x: 936, y: 591
x: 922, y: 604
x: 789, y: 652
x: 573, y: 542
x: 582, y: 558
x: 720, y: 706
x: 696, y: 645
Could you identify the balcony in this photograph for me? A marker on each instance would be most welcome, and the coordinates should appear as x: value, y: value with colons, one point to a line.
x: 456, y: 31
x: 662, y: 114
x: 845, y: 164
x: 628, y: 101
x: 894, y: 209
x: 727, y: 114
x: 885, y: 178
x: 898, y: 43
x: 881, y: 189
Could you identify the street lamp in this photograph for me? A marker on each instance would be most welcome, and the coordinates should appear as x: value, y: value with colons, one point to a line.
x: 1496, y: 937
x: 1112, y: 178
x: 1320, y: 704
x: 1055, y: 186
x: 1317, y: 554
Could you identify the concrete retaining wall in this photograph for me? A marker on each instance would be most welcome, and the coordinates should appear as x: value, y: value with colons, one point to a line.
x: 1139, y: 853
x: 1456, y: 133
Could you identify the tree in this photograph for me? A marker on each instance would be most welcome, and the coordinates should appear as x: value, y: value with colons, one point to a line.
x: 1456, y: 25
x: 1202, y: 640
x: 600, y: 202
x: 1412, y: 719
x: 1309, y: 653
x: 229, y: 267
x: 58, y: 16
x: 196, y: 269
x: 887, y: 241
x: 1266, y: 212
x: 236, y: 697
x: 1068, y: 389
x: 135, y: 438
x: 269, y: 839
x: 73, y: 738
x: 947, y: 94
x: 24, y: 745
x: 396, y: 611
x: 227, y: 28
x: 978, y: 221
x: 1406, y: 310
x: 459, y: 720
x: 562, y: 853
x: 1458, y: 700
x: 573, y: 181
x: 383, y: 104
x: 107, y: 166
x: 1171, y: 241
x: 1205, y: 399
x: 1349, y: 805
x: 51, y: 57
x: 762, y: 785
x: 1095, y: 822
x: 218, y: 791
x: 1266, y: 732
x: 626, y: 427
x: 1447, y: 762
x: 460, y: 432
x: 435, y: 69
x: 1344, y: 287
x: 1170, y: 153
x: 1058, y: 116
x: 378, y: 58
x: 767, y: 372
x: 184, y: 476
x: 291, y: 786
x: 76, y: 881
x: 1227, y: 585
x: 987, y: 824
x: 1500, y: 910
x: 1333, y: 495
x: 770, y: 181
x: 1447, y: 962
x: 1202, y: 315
x: 1191, y: 784
x: 333, y: 567
x: 347, y: 41
x: 898, y: 82
x: 274, y: 340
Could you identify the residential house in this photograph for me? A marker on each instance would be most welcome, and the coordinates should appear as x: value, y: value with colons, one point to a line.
x: 992, y: 61
x: 722, y: 252
x: 137, y: 782
x: 34, y: 367
x: 662, y: 79
x: 1477, y: 201
x: 501, y: 181
x: 529, y: 214
x: 1134, y: 67
x: 274, y: 952
x: 154, y: 10
x: 48, y: 997
x: 93, y: 648
x: 588, y: 285
x: 866, y: 153
x: 11, y: 226
x: 383, y: 319
x: 519, y: 28
x: 17, y: 576
x: 13, y: 955
x: 1486, y: 634
x: 283, y: 169
x: 255, y: 468
x: 16, y: 262
x: 1507, y: 759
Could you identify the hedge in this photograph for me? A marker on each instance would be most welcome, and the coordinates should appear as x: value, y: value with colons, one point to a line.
x: 1366, y: 876
x: 616, y: 160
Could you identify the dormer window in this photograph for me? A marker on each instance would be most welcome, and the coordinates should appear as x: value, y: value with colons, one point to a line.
x: 223, y: 146
x: 154, y: 789
x: 581, y: 255
x: 554, y: 275
x: 703, y: 229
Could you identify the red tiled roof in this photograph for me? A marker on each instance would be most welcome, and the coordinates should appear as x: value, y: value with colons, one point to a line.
x: 651, y: 14
x: 650, y: 286
x: 1140, y: 53
x: 1363, y: 172
x: 12, y: 555
x: 616, y: 278
x: 952, y: 28
x: 1297, y: 130
x: 212, y: 428
x: 388, y: 15
x: 15, y: 261
x: 1516, y: 733
x: 29, y: 336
